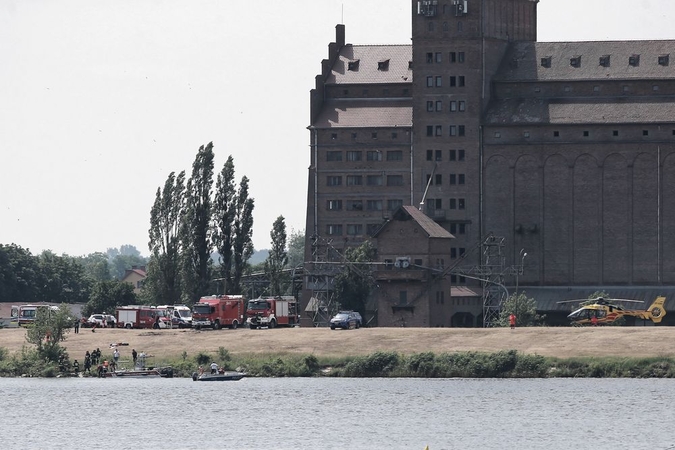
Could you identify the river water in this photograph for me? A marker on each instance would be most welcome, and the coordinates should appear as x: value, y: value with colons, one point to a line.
x: 332, y: 413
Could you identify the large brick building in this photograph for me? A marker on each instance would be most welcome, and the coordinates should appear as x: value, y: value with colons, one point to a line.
x: 565, y: 149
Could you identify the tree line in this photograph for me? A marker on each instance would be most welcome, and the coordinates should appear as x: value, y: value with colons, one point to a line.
x: 188, y: 221
x: 200, y: 242
x: 47, y: 277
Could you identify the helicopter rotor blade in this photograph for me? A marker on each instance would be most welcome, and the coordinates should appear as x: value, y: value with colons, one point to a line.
x: 625, y: 300
x: 574, y: 301
x: 601, y: 299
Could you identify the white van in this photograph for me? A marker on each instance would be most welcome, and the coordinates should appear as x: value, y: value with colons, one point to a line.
x: 181, y: 315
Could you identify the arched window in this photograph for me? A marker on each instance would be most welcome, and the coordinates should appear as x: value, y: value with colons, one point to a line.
x: 430, y: 27
x: 445, y: 26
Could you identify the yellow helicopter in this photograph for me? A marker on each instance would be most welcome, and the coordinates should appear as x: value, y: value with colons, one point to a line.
x: 603, y: 310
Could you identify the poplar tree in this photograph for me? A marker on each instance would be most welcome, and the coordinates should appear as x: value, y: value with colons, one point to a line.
x: 233, y: 227
x: 223, y: 221
x: 278, y: 258
x: 196, y: 232
x: 242, y: 243
x: 163, y: 281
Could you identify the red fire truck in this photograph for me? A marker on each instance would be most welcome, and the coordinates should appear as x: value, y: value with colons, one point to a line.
x: 139, y: 316
x: 217, y: 311
x: 272, y: 312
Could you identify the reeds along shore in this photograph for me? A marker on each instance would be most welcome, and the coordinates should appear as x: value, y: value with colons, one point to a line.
x: 502, y: 364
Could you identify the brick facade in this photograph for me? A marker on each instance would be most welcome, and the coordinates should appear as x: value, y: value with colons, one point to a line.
x: 565, y: 149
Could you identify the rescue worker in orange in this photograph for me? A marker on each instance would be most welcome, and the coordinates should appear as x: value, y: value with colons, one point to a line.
x: 512, y: 320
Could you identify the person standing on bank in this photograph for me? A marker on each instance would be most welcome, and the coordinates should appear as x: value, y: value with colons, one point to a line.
x: 87, y: 363
x: 116, y: 355
x: 77, y: 326
x: 512, y: 321
x: 134, y: 355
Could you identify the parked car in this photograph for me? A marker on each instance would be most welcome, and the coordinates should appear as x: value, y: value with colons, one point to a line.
x: 101, y: 320
x: 357, y: 316
x: 345, y: 320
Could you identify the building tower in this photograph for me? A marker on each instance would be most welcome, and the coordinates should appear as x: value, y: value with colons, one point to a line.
x: 458, y: 46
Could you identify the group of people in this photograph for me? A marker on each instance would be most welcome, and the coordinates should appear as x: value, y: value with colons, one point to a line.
x: 91, y: 359
x: 95, y: 360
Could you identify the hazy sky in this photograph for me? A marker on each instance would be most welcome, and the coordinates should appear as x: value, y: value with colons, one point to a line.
x: 101, y: 100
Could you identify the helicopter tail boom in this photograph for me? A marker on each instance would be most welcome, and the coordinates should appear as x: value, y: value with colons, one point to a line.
x: 656, y: 310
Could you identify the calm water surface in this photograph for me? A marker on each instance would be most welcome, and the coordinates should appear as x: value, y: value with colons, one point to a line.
x: 301, y: 413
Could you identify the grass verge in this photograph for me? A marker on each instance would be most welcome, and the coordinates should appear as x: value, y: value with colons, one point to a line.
x: 502, y: 364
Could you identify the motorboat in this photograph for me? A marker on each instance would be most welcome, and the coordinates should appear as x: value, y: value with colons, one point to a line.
x: 136, y: 373
x: 155, y: 372
x: 220, y: 376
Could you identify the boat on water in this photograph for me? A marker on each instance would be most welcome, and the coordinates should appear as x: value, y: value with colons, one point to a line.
x: 162, y: 372
x: 137, y: 373
x: 221, y: 376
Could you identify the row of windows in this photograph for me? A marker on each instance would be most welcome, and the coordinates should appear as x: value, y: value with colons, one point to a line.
x: 352, y: 229
x: 604, y: 60
x: 373, y: 135
x: 437, y: 204
x: 358, y: 205
x: 390, y: 155
x: 437, y: 155
x: 356, y: 229
x: 596, y: 89
x: 385, y: 92
x: 371, y: 180
x: 437, y: 106
x: 460, y: 301
x: 584, y: 133
x: 455, y: 178
x: 437, y: 81
x: 437, y: 57
x: 371, y: 155
x: 453, y: 130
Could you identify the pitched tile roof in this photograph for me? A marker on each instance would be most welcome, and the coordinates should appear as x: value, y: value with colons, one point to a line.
x: 523, y: 60
x: 355, y: 113
x: 433, y: 229
x: 578, y: 111
x: 367, y: 67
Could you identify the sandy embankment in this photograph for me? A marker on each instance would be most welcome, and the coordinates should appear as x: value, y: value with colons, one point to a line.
x: 558, y: 342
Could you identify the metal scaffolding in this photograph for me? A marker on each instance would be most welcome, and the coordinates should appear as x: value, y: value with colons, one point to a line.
x: 319, y: 277
x: 491, y: 273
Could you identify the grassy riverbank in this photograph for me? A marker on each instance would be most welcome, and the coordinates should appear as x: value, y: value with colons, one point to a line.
x: 394, y: 352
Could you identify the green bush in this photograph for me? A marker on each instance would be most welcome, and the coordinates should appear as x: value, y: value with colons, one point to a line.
x: 379, y: 364
x: 224, y: 354
x: 531, y: 366
x: 203, y: 359
x: 422, y: 365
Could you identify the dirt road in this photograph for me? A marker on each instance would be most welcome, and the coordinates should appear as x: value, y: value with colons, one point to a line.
x: 558, y: 342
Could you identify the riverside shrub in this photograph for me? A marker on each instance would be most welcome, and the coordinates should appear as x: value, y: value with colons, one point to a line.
x: 379, y: 364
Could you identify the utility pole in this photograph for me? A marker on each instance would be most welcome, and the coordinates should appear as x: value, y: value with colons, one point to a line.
x: 519, y: 271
